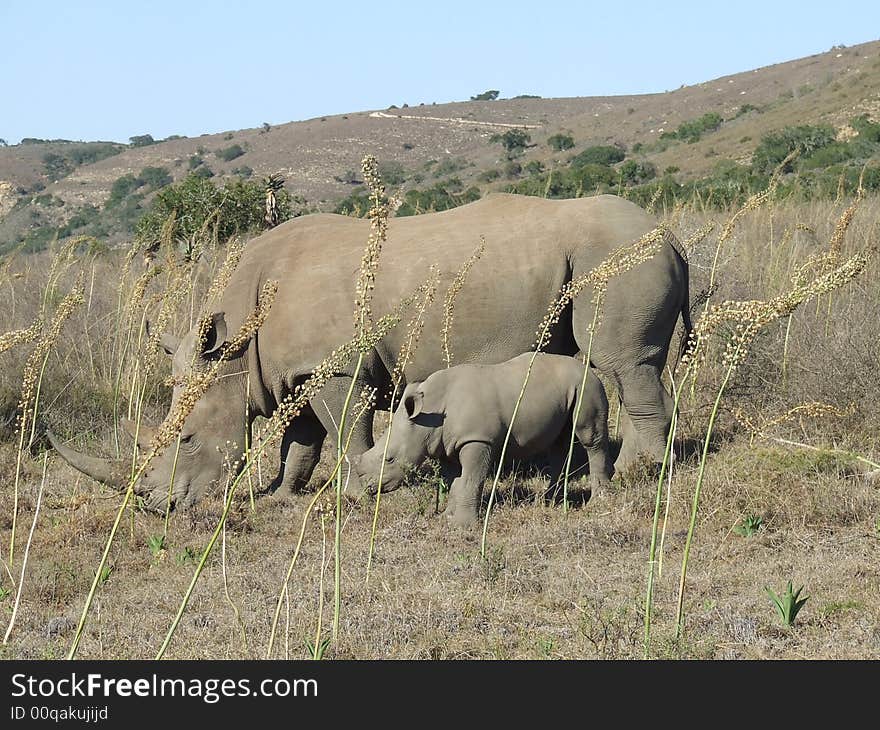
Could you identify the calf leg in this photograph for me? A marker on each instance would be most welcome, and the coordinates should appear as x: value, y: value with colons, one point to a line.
x: 466, y: 490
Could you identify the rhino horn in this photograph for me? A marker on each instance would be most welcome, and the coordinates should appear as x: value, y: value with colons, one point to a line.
x: 107, y: 471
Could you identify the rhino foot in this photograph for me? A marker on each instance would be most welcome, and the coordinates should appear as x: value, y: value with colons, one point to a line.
x: 461, y: 519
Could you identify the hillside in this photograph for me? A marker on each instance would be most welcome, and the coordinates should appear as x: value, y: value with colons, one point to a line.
x: 423, y: 143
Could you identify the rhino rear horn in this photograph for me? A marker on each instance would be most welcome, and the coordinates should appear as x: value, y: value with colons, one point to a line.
x: 107, y: 471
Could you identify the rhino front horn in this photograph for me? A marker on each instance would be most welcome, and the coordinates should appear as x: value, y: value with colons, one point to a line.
x: 107, y: 471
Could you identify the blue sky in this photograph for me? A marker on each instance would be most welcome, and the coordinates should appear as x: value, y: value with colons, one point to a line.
x: 110, y: 70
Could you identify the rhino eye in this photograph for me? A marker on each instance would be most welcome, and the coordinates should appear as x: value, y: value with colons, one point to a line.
x: 389, y: 459
x: 186, y: 439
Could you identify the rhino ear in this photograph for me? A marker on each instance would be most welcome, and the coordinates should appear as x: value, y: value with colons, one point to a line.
x: 413, y: 400
x: 169, y: 343
x: 215, y: 336
x: 143, y: 433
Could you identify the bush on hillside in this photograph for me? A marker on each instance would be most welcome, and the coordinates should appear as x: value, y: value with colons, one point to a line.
x: 598, y: 155
x: 236, y: 208
x: 560, y: 142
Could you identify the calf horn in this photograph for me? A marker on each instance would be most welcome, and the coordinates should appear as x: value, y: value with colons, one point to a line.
x: 107, y: 471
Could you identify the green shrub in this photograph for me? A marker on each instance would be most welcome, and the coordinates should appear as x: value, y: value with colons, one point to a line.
x: 560, y: 142
x: 89, y: 153
x: 155, y: 177
x: 121, y: 189
x: 833, y: 154
x: 195, y: 160
x: 238, y: 204
x: 204, y: 172
x: 392, y: 173
x: 356, y: 204
x: 512, y: 169
x: 448, y: 166
x: 598, y: 155
x: 243, y: 171
x: 692, y: 130
x: 490, y: 95
x: 442, y: 196
x: 57, y: 166
x: 514, y: 141
x: 141, y: 140
x: 776, y: 146
x: 489, y: 175
x: 534, y: 167
x: 636, y: 173
x: 227, y: 154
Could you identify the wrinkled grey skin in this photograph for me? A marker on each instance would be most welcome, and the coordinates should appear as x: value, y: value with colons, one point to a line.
x: 460, y: 416
x: 533, y: 247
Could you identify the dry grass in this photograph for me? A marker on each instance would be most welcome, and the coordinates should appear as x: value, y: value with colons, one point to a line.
x: 552, y: 584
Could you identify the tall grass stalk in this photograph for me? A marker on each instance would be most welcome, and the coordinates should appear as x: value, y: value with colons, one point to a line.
x: 340, y: 486
x: 750, y: 318
x: 316, y: 653
x: 665, y: 466
x: 32, y: 383
x: 407, y: 349
x: 577, y: 408
x: 236, y: 613
x: 27, y: 550
x: 293, y: 560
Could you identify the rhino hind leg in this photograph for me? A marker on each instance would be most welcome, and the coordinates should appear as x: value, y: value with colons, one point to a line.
x: 646, y: 418
x: 300, y: 453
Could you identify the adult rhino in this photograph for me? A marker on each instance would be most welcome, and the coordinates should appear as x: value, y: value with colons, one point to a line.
x: 533, y: 247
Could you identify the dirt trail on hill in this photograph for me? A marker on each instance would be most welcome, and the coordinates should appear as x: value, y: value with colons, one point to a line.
x: 453, y: 120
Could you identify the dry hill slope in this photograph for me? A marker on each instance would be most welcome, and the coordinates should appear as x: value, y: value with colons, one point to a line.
x: 317, y: 155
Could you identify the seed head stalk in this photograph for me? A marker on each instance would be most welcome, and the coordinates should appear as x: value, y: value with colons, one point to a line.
x: 580, y: 401
x: 407, y: 349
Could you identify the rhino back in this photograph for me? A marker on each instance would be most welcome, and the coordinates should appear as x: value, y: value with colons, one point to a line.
x: 530, y: 244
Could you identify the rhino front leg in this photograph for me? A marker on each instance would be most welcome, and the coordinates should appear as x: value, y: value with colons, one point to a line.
x: 328, y: 406
x: 466, y: 490
x: 300, y: 453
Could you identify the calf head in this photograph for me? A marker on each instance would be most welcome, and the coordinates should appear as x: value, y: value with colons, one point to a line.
x: 407, y: 444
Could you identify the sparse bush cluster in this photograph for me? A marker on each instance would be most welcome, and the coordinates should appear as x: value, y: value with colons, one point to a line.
x: 236, y: 207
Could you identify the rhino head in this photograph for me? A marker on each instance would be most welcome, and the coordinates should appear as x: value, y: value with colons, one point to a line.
x: 408, y: 444
x: 212, y: 437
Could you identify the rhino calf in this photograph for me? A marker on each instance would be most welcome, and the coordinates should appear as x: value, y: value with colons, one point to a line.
x: 460, y: 416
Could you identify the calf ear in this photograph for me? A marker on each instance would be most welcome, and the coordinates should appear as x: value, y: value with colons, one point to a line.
x: 412, y: 402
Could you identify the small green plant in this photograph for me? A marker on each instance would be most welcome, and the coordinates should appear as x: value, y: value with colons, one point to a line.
x: 560, y: 142
x: 789, y: 605
x: 4, y: 592
x: 106, y: 571
x: 156, y: 543
x: 749, y: 525
x: 187, y: 556
x: 317, y: 652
